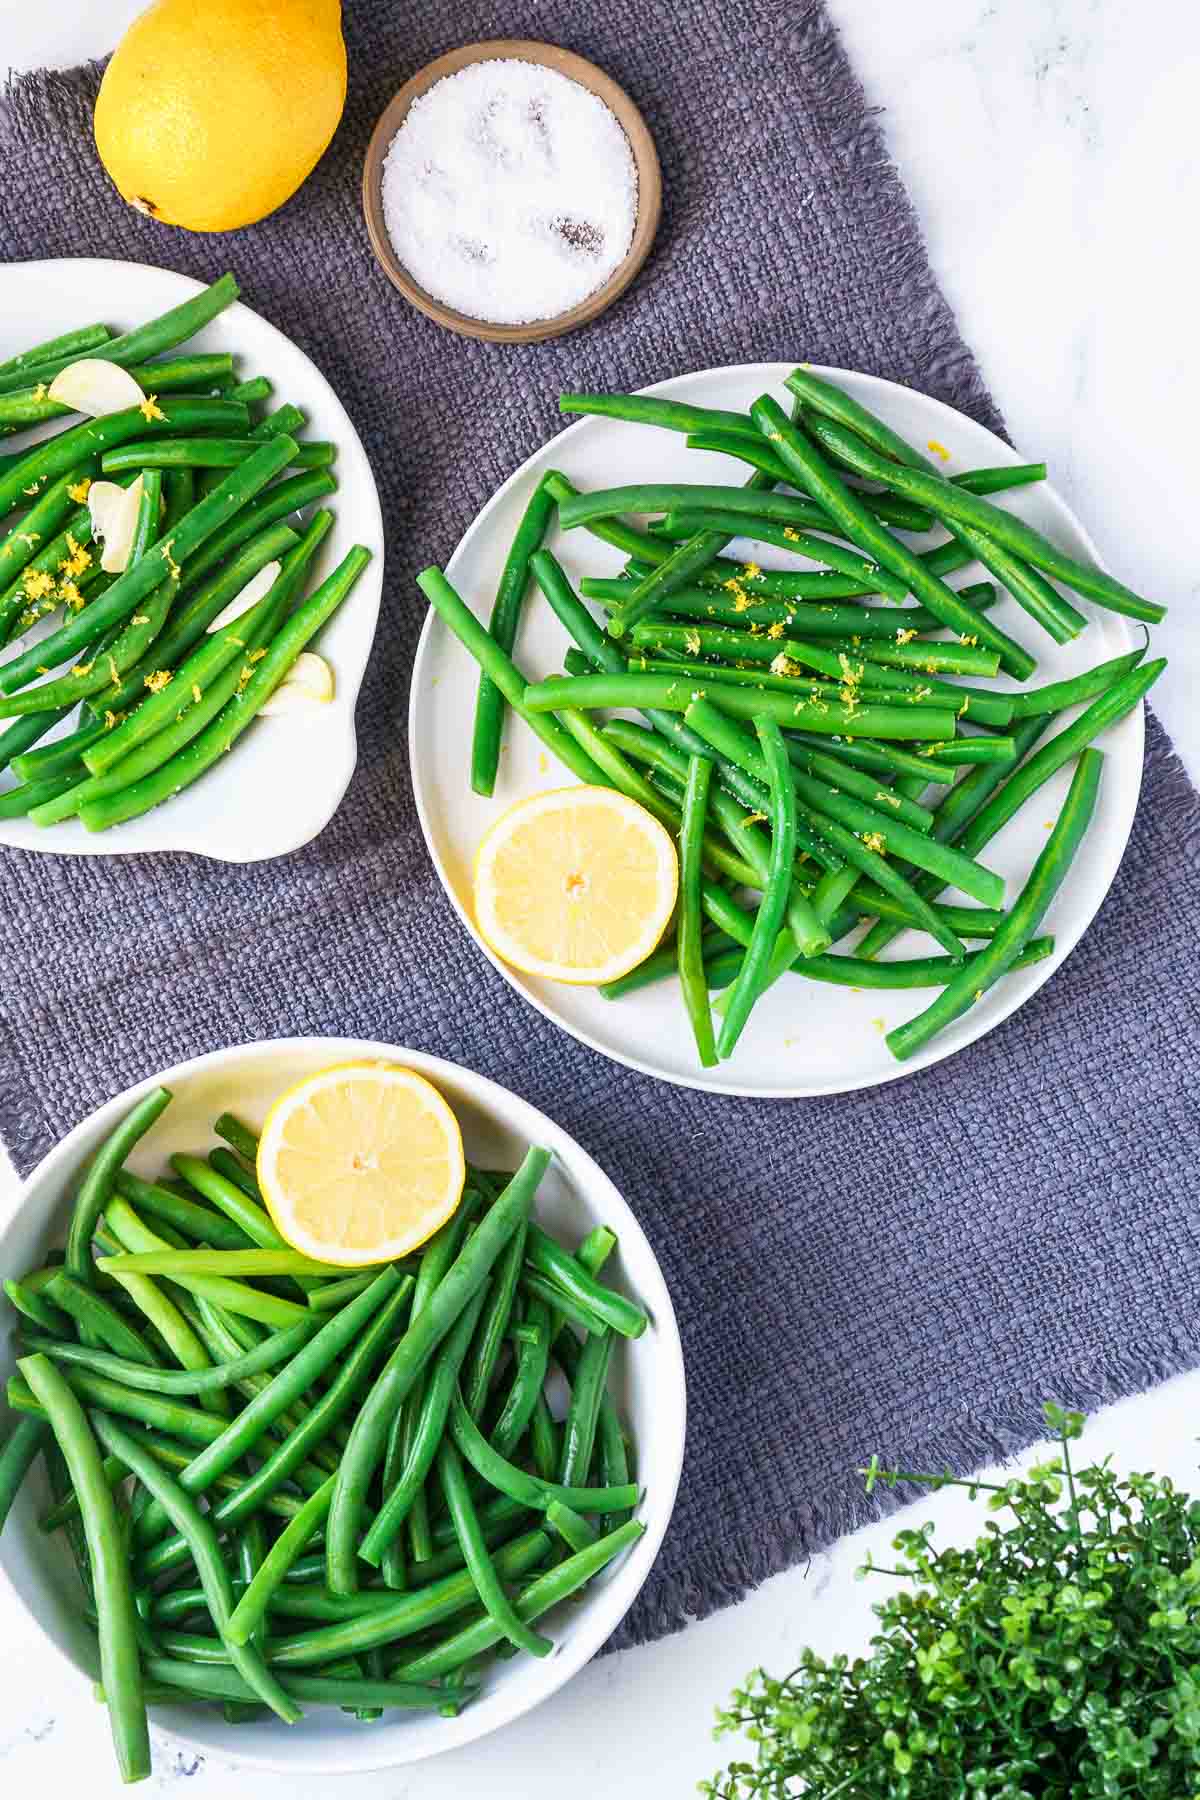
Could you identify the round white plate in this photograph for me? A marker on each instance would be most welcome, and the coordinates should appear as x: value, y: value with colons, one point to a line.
x: 287, y: 776
x: 803, y: 1038
x: 647, y: 1382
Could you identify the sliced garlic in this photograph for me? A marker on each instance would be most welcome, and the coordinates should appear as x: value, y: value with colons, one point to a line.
x: 95, y: 387
x: 308, y: 683
x: 114, y: 511
x: 250, y: 595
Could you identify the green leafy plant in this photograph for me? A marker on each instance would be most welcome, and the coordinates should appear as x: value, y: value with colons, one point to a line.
x: 1058, y: 1658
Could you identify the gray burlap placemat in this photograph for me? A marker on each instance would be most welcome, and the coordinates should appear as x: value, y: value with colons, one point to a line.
x: 910, y: 1270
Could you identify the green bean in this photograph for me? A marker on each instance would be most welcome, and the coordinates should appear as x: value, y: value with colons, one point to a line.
x: 1112, y: 705
x: 549, y: 1257
x: 532, y: 1359
x: 494, y: 1324
x: 98, y: 1183
x: 206, y: 453
x: 769, y: 918
x: 100, y: 1321
x: 588, y: 1379
x: 538, y: 1597
x: 251, y: 1547
x: 188, y: 764
x: 662, y: 966
x: 17, y: 802
x: 882, y: 759
x: 502, y: 626
x: 810, y: 470
x: 672, y: 695
x: 29, y: 1302
x: 88, y: 678
x: 74, y: 343
x: 170, y: 328
x: 866, y: 577
x: 439, y: 1253
x: 174, y: 1679
x: 122, y: 598
x: 329, y: 1295
x: 1077, y: 688
x: 407, y: 1361
x: 223, y: 1162
x: 113, y: 1591
x: 238, y: 1135
x: 926, y: 852
x: 529, y: 1490
x: 502, y: 672
x: 559, y: 1300
x: 251, y: 1609
x: 237, y: 1263
x: 186, y: 1516
x: 799, y: 510
x: 914, y: 972
x: 406, y: 1615
x: 54, y: 456
x: 21, y: 1448
x: 56, y: 758
x: 994, y: 526
x: 175, y: 1382
x: 1031, y: 590
x: 257, y: 387
x: 961, y: 751
x: 689, y: 954
x: 200, y: 1223
x: 961, y: 992
x: 49, y: 512
x: 649, y: 409
x: 258, y: 1491
x: 25, y: 406
x: 402, y: 1489
x: 478, y: 1559
x: 187, y: 1423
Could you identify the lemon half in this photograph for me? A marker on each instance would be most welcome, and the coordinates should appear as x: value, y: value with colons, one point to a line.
x: 577, y: 885
x: 360, y: 1163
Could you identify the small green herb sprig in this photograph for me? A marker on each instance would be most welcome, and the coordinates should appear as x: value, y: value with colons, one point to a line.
x: 1058, y: 1658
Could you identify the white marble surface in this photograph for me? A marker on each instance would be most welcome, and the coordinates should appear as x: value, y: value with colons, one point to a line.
x: 1049, y: 148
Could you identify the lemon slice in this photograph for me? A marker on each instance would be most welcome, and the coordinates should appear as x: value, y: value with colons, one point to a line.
x: 360, y: 1163
x: 577, y: 884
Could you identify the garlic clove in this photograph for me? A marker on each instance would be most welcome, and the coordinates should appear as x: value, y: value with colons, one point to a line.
x: 114, y: 513
x: 250, y: 595
x: 308, y: 683
x: 95, y: 387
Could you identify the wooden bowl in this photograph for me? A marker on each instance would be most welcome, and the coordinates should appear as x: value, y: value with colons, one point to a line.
x: 644, y: 155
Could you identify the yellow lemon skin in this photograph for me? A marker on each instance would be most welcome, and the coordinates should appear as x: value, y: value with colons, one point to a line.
x: 212, y: 112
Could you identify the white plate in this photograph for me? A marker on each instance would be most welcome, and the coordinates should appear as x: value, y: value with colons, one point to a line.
x: 647, y: 1382
x: 802, y: 1038
x: 285, y: 780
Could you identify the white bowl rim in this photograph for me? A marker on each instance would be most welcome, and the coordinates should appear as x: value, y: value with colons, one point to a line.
x: 331, y: 1757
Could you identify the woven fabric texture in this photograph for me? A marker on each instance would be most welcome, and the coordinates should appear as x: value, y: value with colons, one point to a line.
x: 910, y: 1271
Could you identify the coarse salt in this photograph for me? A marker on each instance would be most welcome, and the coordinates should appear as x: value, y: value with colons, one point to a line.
x: 510, y: 192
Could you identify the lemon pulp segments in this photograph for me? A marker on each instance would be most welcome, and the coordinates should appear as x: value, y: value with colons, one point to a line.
x: 577, y: 884
x: 360, y: 1163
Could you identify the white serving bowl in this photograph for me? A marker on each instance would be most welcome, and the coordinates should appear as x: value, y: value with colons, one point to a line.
x: 647, y: 1380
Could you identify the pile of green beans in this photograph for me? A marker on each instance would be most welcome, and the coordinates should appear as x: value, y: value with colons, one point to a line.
x: 214, y: 1407
x: 158, y: 697
x: 820, y: 740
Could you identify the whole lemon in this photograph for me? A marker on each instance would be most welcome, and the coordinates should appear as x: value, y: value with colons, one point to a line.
x: 212, y: 112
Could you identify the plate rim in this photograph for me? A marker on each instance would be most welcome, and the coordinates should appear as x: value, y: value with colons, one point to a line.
x: 371, y: 589
x: 574, y: 1653
x: 767, y: 372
